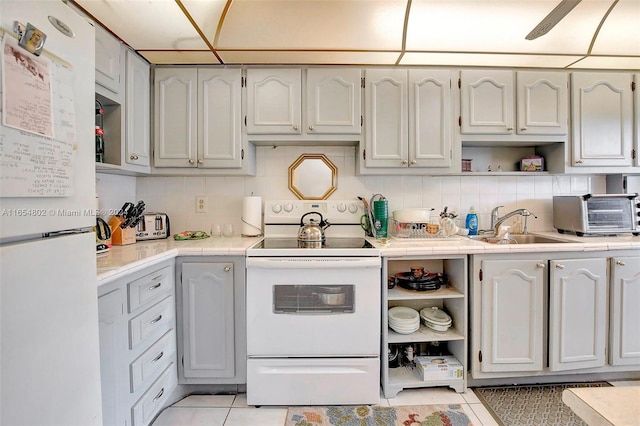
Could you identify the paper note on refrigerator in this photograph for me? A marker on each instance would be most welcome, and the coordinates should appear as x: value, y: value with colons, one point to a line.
x: 38, y: 131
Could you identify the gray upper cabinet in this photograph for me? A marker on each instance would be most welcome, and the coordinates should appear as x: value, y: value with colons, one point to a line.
x: 175, y: 119
x: 333, y: 101
x: 602, y: 119
x: 274, y: 101
x: 488, y: 106
x: 487, y: 103
x: 198, y: 121
x: 542, y: 103
x: 138, y: 114
x: 110, y: 64
x: 407, y: 119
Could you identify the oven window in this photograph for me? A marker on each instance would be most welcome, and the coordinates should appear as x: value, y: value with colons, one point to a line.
x: 313, y: 299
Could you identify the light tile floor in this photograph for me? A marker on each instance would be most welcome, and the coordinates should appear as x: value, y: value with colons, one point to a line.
x: 232, y: 410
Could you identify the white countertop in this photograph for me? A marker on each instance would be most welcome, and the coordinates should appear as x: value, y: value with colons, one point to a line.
x: 121, y: 260
x: 464, y: 245
x: 605, y: 405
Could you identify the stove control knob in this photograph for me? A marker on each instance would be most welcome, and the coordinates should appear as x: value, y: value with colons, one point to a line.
x: 288, y: 207
x: 342, y: 207
x: 353, y: 208
x: 276, y: 208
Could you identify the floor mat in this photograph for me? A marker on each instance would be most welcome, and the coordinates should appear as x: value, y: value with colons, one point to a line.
x: 364, y: 415
x: 534, y: 405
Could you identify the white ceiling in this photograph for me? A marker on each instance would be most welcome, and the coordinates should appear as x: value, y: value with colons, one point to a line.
x: 597, y: 34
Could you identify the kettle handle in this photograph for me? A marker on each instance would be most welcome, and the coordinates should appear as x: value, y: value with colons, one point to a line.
x: 307, y: 214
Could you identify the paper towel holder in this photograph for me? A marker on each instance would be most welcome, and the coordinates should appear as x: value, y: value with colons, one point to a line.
x: 313, y: 177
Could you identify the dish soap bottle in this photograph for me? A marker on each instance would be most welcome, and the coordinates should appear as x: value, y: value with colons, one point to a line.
x: 471, y: 222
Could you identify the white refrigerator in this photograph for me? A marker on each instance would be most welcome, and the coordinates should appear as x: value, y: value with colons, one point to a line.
x: 49, y: 358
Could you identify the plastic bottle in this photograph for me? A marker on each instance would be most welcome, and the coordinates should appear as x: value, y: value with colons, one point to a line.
x: 471, y: 222
x: 99, y: 145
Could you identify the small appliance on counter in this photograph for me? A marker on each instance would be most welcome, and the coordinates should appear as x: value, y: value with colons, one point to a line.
x: 599, y: 214
x: 153, y: 226
x: 103, y: 236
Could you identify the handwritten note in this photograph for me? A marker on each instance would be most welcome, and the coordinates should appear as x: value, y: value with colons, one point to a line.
x: 38, y: 137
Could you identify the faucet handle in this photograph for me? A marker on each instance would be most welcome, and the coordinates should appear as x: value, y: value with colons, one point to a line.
x: 495, y: 210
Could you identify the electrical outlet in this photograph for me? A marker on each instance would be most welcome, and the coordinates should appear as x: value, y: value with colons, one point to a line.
x: 201, y: 204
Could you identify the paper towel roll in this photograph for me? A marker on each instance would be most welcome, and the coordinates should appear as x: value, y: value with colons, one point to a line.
x: 252, y: 216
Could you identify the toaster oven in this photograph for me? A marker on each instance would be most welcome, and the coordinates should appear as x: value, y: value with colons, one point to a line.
x: 600, y: 214
x: 153, y: 226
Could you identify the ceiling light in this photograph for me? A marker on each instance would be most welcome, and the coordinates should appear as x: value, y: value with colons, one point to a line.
x: 550, y: 21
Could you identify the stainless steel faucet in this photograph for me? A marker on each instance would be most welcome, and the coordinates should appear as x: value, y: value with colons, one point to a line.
x: 496, y: 221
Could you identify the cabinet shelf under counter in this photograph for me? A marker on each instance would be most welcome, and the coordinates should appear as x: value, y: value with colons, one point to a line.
x: 425, y: 334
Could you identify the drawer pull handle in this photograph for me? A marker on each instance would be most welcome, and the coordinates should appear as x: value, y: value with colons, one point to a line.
x: 156, y: 320
x: 559, y: 266
x: 153, y: 287
x: 540, y: 265
x: 160, y: 355
x: 159, y: 395
x: 620, y: 263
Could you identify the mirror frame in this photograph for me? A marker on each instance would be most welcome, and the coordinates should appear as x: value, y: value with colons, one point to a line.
x: 332, y: 186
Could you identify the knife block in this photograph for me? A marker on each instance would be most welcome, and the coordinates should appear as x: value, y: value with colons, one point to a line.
x: 120, y: 236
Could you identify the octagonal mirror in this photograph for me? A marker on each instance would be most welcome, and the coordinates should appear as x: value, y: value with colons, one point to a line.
x: 313, y: 177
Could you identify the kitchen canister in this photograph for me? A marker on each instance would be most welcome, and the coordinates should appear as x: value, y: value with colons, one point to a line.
x: 252, y: 216
x: 380, y: 216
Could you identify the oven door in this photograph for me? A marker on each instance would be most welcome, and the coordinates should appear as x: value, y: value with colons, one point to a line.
x: 302, y: 307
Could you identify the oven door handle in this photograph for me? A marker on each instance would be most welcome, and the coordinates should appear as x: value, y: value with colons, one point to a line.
x: 314, y: 263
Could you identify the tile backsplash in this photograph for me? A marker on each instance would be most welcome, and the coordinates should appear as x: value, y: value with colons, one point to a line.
x: 177, y: 195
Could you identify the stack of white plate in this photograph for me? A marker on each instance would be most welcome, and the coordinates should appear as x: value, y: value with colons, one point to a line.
x: 404, y: 320
x: 436, y: 319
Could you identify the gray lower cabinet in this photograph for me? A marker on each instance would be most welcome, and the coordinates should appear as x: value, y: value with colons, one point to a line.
x: 535, y: 315
x: 625, y: 313
x: 211, y: 320
x: 137, y: 345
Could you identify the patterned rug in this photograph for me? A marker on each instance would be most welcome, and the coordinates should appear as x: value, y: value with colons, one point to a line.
x: 534, y: 405
x: 364, y: 415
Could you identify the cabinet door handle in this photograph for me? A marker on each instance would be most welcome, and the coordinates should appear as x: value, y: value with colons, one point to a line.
x: 191, y: 161
x: 159, y: 395
x: 620, y: 263
x: 153, y: 321
x: 559, y: 266
x: 413, y: 162
x: 200, y: 161
x: 540, y: 265
x: 523, y: 129
x: 295, y: 127
x: 510, y: 129
x: 153, y: 287
x: 579, y: 161
x: 156, y: 359
x: 227, y: 268
x: 311, y: 128
x: 133, y: 157
x: 405, y: 162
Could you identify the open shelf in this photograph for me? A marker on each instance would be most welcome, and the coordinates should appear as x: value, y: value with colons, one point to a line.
x: 425, y: 334
x: 447, y: 292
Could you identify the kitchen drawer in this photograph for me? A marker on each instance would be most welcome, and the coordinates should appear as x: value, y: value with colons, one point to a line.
x: 154, y: 360
x: 151, y: 287
x: 156, y: 320
x: 155, y: 397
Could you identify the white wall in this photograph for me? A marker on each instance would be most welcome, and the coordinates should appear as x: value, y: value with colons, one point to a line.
x: 176, y: 195
x: 114, y: 191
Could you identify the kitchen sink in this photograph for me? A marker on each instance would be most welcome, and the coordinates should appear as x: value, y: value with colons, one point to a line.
x: 517, y: 239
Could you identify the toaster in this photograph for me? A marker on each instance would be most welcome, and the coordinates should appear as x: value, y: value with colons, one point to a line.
x: 603, y: 214
x: 153, y: 226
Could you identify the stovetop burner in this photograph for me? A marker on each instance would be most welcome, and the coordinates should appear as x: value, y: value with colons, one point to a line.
x: 329, y: 243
